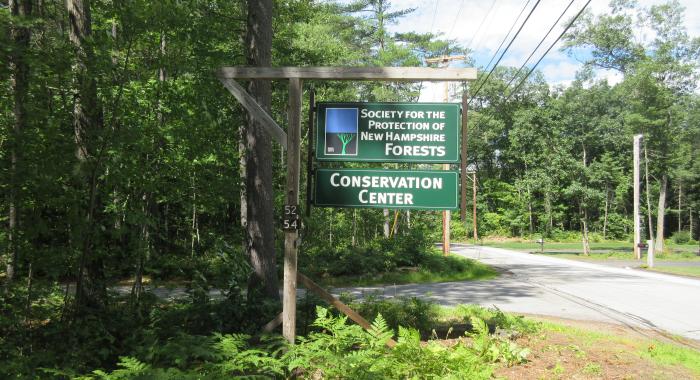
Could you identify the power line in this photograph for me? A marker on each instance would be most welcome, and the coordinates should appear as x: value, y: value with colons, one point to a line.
x: 459, y: 10
x: 447, y: 36
x: 469, y: 45
x: 548, y: 49
x: 506, y: 49
x: 432, y: 23
x: 508, y: 34
x: 539, y: 44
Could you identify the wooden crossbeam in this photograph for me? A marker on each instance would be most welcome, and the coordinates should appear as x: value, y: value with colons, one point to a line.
x: 343, y: 308
x: 350, y: 73
x: 254, y: 109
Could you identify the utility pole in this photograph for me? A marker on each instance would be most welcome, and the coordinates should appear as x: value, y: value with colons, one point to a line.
x: 476, y: 234
x: 444, y: 61
x: 680, y: 209
x: 635, y: 185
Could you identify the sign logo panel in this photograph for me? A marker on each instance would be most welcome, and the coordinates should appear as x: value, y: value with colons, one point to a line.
x: 341, y: 131
x: 388, y: 132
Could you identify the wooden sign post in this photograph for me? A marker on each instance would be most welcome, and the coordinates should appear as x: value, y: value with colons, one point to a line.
x: 291, y: 140
x: 291, y: 236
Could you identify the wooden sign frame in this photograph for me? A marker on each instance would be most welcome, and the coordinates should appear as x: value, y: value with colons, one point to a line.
x: 291, y: 140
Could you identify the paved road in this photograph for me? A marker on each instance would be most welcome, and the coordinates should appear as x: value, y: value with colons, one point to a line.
x: 568, y: 289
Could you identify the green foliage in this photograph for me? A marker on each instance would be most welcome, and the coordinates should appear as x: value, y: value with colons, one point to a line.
x: 681, y: 237
x: 495, y: 350
x: 334, y: 350
x: 410, y: 312
x: 167, y: 179
x: 365, y: 355
x: 496, y: 319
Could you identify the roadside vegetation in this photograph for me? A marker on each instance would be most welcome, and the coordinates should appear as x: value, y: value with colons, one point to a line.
x: 683, y: 271
x: 123, y: 159
x: 460, y: 342
x: 601, y: 249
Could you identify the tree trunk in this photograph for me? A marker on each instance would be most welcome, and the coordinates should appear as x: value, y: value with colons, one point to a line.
x: 330, y: 228
x: 529, y: 204
x: 387, y: 227
x: 584, y: 235
x: 605, y: 217
x: 243, y: 175
x: 548, y: 211
x: 19, y: 69
x: 661, y: 212
x: 194, y: 232
x: 395, y: 226
x: 354, y: 228
x: 260, y: 230
x: 144, y: 250
x: 690, y: 219
x: 646, y: 179
x: 87, y: 125
x: 680, y: 192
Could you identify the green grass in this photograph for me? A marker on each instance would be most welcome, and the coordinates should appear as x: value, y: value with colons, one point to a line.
x: 533, y: 246
x: 615, y: 250
x: 652, y: 349
x: 665, y: 353
x: 593, y: 256
x: 686, y: 271
x: 437, y: 269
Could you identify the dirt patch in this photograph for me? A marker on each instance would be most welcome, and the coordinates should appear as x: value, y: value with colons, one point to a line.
x: 610, y: 352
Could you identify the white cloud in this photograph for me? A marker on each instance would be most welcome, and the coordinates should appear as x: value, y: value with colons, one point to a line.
x: 460, y: 20
x: 560, y: 71
x: 614, y: 77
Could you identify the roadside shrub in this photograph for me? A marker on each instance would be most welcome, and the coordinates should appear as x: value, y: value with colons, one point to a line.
x: 410, y: 312
x: 335, y: 350
x: 496, y: 319
x: 558, y: 235
x: 681, y: 237
x: 595, y: 237
x: 618, y: 227
x: 495, y: 224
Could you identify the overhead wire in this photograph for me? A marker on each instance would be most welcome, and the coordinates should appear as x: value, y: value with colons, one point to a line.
x: 481, y: 24
x: 505, y: 38
x: 432, y: 24
x: 505, y: 50
x: 515, y: 90
x: 459, y: 10
x: 540, y: 43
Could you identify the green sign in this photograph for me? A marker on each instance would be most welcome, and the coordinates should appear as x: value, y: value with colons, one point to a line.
x: 388, y: 132
x: 407, y: 189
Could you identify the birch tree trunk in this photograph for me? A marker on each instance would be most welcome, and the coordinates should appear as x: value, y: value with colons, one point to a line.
x: 260, y: 235
x: 586, y: 244
x: 661, y: 212
x: 646, y: 189
x: 19, y: 69
x: 387, y: 227
x: 605, y: 217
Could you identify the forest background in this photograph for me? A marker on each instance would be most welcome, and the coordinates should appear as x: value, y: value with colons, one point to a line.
x: 123, y: 157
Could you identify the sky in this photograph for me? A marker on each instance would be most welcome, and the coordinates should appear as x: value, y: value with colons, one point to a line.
x: 461, y: 20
